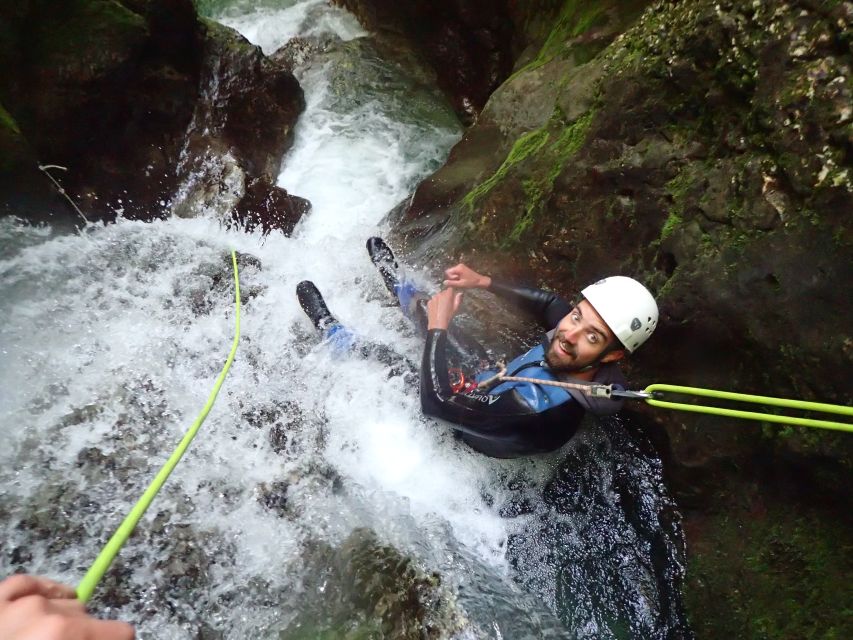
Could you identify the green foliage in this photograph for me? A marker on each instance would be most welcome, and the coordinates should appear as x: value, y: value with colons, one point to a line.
x: 543, y: 163
x: 679, y: 188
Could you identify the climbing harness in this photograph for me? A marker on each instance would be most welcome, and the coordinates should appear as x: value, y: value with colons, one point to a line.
x: 654, y: 395
x: 105, y: 558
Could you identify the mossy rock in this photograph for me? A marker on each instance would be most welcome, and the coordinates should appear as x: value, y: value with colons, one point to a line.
x: 770, y: 571
x: 86, y: 38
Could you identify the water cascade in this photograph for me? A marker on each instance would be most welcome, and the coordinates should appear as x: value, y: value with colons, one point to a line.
x: 316, y: 500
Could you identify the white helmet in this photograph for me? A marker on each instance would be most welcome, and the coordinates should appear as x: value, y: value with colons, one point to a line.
x: 626, y: 306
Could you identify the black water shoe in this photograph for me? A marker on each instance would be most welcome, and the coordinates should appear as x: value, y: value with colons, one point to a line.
x: 312, y: 303
x: 382, y: 256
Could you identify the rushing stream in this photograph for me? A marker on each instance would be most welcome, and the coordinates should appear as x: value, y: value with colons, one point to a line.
x: 316, y: 501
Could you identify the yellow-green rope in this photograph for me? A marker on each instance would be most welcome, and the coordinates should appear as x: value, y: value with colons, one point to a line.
x: 801, y: 405
x: 102, y: 563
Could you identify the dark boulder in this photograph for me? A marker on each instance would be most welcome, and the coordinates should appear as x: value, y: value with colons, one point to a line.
x: 137, y: 99
x: 468, y: 43
x: 105, y: 89
x: 268, y: 208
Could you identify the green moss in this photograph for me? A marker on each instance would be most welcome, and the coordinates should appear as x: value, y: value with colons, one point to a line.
x: 672, y: 221
x: 679, y: 189
x: 536, y: 189
x: 574, y: 19
x: 569, y: 143
x: 779, y: 573
x: 13, y: 146
x: 526, y: 145
x: 7, y: 122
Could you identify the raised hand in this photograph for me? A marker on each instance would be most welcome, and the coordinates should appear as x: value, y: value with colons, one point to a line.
x: 464, y: 277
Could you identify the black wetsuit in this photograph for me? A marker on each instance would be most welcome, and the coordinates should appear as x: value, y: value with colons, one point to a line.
x: 513, y: 419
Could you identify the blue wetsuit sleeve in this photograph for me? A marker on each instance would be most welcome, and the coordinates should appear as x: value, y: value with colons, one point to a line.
x: 548, y: 308
x: 502, y: 425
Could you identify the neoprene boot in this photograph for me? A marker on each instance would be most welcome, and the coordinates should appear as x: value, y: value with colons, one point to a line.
x: 382, y: 256
x: 312, y: 303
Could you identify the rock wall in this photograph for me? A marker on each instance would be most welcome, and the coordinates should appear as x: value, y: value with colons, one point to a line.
x: 704, y: 148
x: 108, y: 90
x: 468, y: 43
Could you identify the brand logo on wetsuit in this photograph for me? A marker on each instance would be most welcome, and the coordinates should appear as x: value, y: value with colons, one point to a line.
x: 487, y: 399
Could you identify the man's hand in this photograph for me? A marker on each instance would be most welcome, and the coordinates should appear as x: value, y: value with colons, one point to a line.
x: 34, y: 608
x: 464, y: 277
x: 442, y: 307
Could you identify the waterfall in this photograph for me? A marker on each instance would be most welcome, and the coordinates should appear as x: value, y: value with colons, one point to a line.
x: 310, y: 462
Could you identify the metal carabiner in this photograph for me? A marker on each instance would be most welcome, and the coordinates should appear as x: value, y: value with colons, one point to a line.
x: 632, y: 395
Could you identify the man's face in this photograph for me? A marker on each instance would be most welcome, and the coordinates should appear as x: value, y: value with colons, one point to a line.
x: 579, y: 340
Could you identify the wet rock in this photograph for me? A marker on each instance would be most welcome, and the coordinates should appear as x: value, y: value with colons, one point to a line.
x: 242, y: 125
x: 20, y: 556
x: 212, y: 284
x: 79, y: 415
x: 250, y: 103
x: 633, y: 553
x: 710, y: 158
x: 268, y: 208
x: 365, y: 580
x: 273, y: 496
x: 284, y: 420
x: 299, y: 50
x: 278, y: 438
x: 468, y: 44
x: 100, y: 87
x: 143, y: 103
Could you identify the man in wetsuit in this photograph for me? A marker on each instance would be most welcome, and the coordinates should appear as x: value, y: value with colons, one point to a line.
x: 583, y: 344
x: 513, y: 418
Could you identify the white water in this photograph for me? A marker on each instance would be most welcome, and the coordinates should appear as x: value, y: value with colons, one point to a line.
x: 102, y: 347
x: 112, y: 338
x: 271, y: 25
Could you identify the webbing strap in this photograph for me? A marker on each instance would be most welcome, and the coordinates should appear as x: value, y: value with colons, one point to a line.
x: 801, y: 405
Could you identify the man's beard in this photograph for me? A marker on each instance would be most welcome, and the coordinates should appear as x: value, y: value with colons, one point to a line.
x: 558, y: 366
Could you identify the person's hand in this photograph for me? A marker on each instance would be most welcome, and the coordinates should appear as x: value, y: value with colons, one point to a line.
x: 33, y: 608
x: 464, y: 277
x: 442, y: 307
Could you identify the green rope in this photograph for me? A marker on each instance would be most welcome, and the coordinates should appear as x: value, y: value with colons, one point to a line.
x: 801, y: 405
x: 108, y: 553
